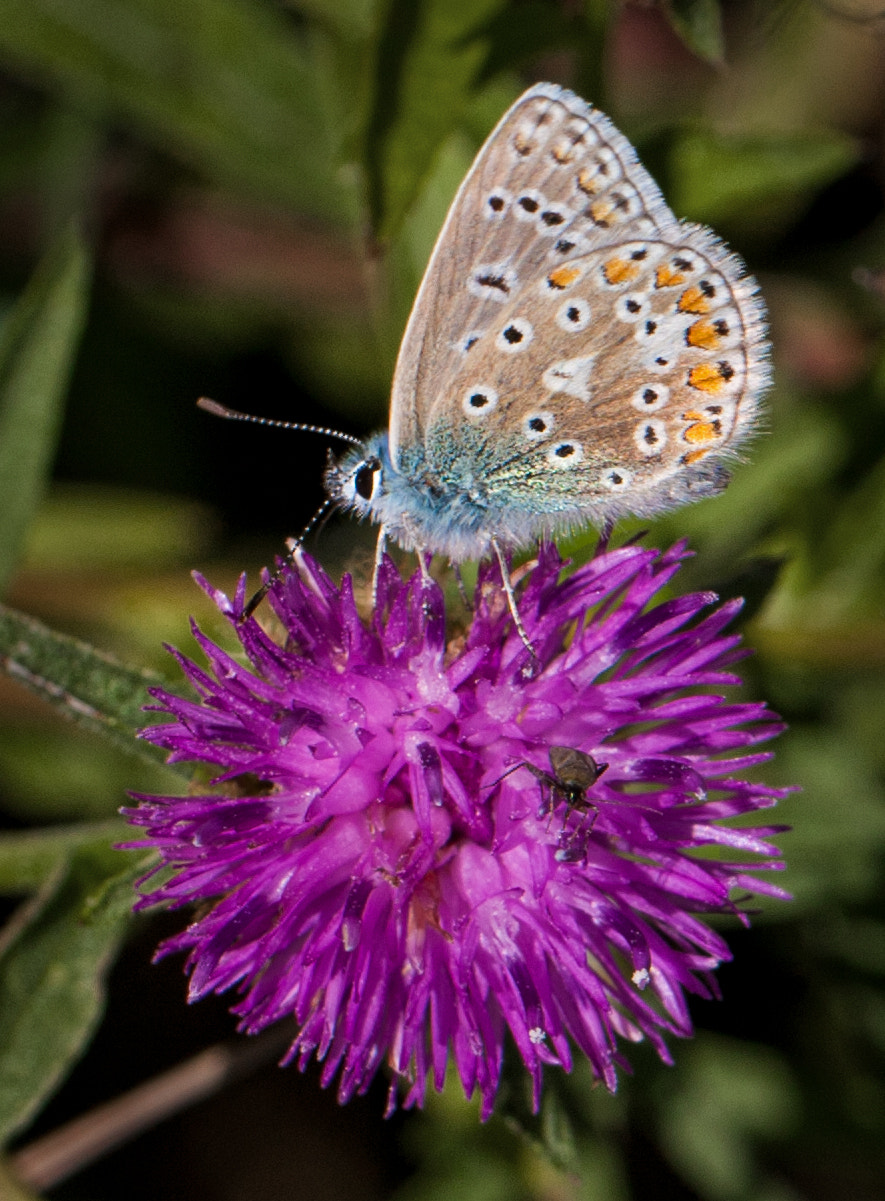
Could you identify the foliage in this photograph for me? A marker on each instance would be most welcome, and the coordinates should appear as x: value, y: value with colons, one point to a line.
x: 257, y: 187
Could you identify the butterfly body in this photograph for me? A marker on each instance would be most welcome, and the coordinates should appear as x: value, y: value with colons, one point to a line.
x: 575, y: 354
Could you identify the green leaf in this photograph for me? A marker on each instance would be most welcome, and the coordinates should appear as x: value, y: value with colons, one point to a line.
x: 29, y: 857
x: 429, y: 54
x: 699, y: 25
x: 718, y: 178
x: 539, y: 29
x: 228, y: 85
x: 53, y: 968
x: 36, y: 356
x: 85, y: 684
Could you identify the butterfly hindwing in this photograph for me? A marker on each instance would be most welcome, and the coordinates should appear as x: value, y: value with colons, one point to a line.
x: 612, y: 384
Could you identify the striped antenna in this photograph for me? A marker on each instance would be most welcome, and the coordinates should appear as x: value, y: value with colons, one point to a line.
x: 294, y: 545
x: 219, y: 410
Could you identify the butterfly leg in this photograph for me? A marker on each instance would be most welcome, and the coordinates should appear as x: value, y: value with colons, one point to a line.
x: 459, y: 580
x: 511, y: 598
x: 604, y: 535
x: 380, y: 549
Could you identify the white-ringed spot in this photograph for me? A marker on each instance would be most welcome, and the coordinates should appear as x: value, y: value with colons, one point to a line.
x: 573, y: 315
x: 479, y: 401
x: 632, y: 308
x: 515, y: 336
x: 650, y: 437
x: 497, y: 203
x: 650, y: 397
x: 565, y: 454
x: 528, y: 205
x: 538, y: 426
x: 553, y: 219
x: 616, y: 479
x: 492, y: 281
x: 571, y: 244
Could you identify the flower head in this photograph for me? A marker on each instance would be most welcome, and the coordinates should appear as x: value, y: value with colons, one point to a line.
x: 395, y: 859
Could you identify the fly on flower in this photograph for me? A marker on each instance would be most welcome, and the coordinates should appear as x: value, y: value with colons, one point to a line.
x: 572, y: 773
x: 366, y: 867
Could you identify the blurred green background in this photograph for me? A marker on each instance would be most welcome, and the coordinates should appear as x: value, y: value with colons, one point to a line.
x: 237, y: 198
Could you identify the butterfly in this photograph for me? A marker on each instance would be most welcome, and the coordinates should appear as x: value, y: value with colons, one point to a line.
x: 575, y: 353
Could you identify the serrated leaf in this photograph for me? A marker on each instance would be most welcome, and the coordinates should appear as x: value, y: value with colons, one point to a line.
x: 699, y: 25
x: 85, y: 684
x: 36, y: 355
x: 429, y: 55
x: 228, y: 85
x: 719, y: 178
x: 52, y: 982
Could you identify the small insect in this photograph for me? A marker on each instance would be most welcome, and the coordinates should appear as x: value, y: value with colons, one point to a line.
x: 574, y: 354
x: 572, y: 773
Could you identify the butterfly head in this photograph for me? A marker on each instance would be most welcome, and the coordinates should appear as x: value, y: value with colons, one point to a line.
x: 356, y: 480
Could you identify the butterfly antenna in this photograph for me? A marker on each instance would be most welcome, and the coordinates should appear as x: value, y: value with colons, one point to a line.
x: 220, y: 410
x: 293, y: 546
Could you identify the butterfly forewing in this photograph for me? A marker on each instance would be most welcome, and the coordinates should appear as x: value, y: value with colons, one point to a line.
x: 553, y: 180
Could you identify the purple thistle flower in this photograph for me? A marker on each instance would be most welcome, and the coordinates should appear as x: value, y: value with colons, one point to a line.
x: 384, y: 869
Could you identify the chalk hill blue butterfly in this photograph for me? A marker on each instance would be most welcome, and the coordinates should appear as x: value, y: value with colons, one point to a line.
x: 575, y: 353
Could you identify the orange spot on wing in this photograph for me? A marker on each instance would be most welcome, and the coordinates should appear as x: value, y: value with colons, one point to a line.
x: 703, y: 334
x: 692, y: 456
x: 710, y: 377
x: 620, y: 271
x: 587, y: 181
x: 693, y: 300
x: 565, y: 154
x: 666, y: 277
x: 601, y: 211
x: 701, y: 431
x: 563, y: 276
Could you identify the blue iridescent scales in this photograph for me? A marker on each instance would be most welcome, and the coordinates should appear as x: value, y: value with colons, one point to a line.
x: 575, y: 353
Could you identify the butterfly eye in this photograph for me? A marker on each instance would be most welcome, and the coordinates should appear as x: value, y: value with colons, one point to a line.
x: 367, y: 475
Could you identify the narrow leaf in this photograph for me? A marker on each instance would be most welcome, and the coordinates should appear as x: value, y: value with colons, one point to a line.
x: 718, y: 178
x: 85, y: 684
x: 428, y: 58
x: 52, y: 981
x: 29, y: 857
x: 699, y: 25
x: 36, y: 355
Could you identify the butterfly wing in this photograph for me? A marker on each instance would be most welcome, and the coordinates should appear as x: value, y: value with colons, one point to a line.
x: 575, y: 353
x: 554, y: 177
